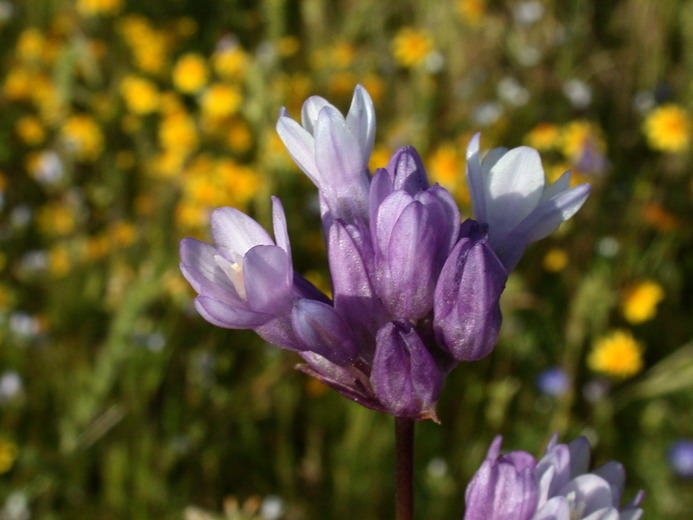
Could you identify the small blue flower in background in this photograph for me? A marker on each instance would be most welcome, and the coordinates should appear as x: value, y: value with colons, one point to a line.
x: 681, y: 458
x: 552, y: 381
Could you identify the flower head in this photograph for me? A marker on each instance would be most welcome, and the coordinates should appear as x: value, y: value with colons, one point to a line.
x: 668, y: 129
x: 414, y: 290
x: 640, y: 300
x: 515, y: 486
x: 616, y: 354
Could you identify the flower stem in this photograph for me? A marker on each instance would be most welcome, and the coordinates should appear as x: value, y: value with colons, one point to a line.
x: 404, y: 495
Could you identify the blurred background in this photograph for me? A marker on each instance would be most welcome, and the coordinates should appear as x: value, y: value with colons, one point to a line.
x: 125, y: 122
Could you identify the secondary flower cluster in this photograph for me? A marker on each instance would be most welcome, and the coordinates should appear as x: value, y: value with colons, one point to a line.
x: 515, y: 486
x: 415, y: 290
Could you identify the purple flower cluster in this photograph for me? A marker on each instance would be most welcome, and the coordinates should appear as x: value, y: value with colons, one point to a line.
x: 515, y: 486
x: 415, y: 291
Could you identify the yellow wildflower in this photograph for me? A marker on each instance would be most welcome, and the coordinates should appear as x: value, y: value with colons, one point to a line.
x: 191, y: 215
x: 221, y: 101
x: 240, y: 138
x: 190, y: 73
x: 59, y: 262
x: 18, y: 84
x: 341, y: 84
x: 288, y: 46
x: 471, y: 11
x: 30, y: 44
x: 343, y: 54
x: 149, y: 47
x: 668, y: 129
x: 374, y: 85
x: 30, y: 130
x: 95, y: 248
x: 555, y: 260
x: 576, y: 135
x: 543, y: 137
x: 446, y: 165
x: 617, y: 354
x: 123, y: 233
x: 56, y: 219
x: 411, y: 47
x: 639, y: 301
x: 230, y: 62
x: 178, y: 131
x: 99, y: 7
x: 380, y: 157
x: 141, y: 95
x: 83, y: 136
x: 8, y: 455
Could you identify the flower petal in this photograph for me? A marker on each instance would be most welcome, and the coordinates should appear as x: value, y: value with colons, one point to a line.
x: 203, y: 272
x: 361, y: 121
x: 475, y: 179
x: 235, y: 233
x: 310, y: 110
x: 590, y: 491
x: 281, y: 234
x: 555, y: 509
x: 228, y: 316
x: 301, y: 146
x: 268, y: 280
x: 513, y: 188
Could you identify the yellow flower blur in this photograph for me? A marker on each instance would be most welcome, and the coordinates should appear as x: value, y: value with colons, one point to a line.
x: 221, y: 101
x: 555, y: 260
x: 639, y: 301
x: 97, y: 7
x: 31, y: 130
x: 190, y: 73
x: 617, y: 354
x: 8, y: 454
x: 668, y: 129
x: 141, y: 95
x: 83, y: 137
x: 543, y: 137
x: 411, y: 46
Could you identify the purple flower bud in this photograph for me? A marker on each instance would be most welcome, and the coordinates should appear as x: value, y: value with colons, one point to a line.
x: 413, y: 236
x: 467, y: 314
x: 557, y: 487
x: 406, y: 171
x: 509, y: 194
x: 323, y: 331
x: 405, y: 377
